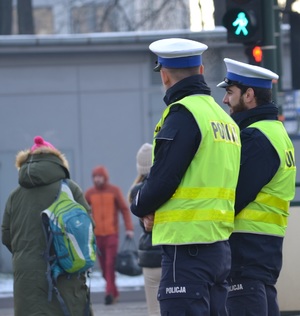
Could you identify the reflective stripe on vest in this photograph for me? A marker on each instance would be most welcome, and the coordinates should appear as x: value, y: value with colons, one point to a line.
x: 203, y: 195
x: 202, y: 208
x: 269, y: 212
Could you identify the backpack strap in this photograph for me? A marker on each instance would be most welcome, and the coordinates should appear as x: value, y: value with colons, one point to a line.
x: 87, y: 311
x: 61, y: 302
x: 65, y: 188
x: 46, y: 254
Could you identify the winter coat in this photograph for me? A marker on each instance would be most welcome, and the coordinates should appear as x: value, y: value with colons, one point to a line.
x: 40, y: 173
x: 148, y: 256
x: 106, y: 203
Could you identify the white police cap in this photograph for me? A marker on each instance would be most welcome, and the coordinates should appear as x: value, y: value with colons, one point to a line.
x: 247, y: 75
x: 177, y: 53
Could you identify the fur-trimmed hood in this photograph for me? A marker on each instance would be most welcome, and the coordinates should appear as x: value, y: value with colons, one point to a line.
x: 23, y: 156
x: 42, y: 166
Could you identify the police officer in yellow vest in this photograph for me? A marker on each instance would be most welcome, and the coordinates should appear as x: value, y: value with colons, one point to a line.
x: 190, y: 190
x: 265, y: 187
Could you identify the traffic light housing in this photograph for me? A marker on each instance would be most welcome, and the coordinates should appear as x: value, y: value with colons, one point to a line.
x: 243, y: 21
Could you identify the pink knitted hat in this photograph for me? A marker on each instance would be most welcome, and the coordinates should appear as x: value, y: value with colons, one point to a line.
x: 40, y: 142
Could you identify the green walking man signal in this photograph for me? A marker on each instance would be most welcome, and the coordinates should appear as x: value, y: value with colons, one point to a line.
x: 241, y: 23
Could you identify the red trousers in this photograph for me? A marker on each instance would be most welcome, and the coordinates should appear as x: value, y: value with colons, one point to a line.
x: 108, y: 247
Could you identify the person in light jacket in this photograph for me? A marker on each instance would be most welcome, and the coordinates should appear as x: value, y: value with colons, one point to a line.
x: 149, y: 256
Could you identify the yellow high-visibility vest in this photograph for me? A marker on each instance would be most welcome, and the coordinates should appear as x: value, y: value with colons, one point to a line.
x: 202, y: 208
x: 268, y: 213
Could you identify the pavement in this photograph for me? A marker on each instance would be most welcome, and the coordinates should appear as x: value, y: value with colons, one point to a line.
x: 131, y: 303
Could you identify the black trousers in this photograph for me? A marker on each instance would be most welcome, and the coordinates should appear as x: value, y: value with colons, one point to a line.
x: 249, y: 297
x: 193, y: 281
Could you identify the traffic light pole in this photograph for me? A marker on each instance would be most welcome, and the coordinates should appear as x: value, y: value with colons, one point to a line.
x: 278, y: 44
x: 271, y: 45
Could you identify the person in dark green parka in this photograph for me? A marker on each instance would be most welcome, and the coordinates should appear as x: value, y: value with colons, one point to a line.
x: 41, y: 170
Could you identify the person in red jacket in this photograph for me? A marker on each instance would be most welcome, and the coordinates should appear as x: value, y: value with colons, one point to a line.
x: 106, y: 201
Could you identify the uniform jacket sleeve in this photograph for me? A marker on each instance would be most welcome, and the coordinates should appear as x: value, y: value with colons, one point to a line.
x: 176, y: 144
x: 259, y: 163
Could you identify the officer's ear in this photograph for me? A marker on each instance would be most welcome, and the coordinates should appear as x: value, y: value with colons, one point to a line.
x: 164, y: 76
x: 250, y: 94
x: 249, y: 99
x: 201, y: 69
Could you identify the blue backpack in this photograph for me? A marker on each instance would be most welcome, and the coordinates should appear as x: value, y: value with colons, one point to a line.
x: 71, y: 244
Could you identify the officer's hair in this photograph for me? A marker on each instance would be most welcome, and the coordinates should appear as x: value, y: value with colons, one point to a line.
x: 182, y: 73
x: 262, y: 95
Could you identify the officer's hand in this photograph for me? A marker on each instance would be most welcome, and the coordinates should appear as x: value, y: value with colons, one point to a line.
x: 148, y: 221
x: 129, y: 233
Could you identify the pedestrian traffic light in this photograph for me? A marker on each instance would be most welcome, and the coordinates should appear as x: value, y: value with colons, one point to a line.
x: 254, y: 54
x: 243, y: 21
